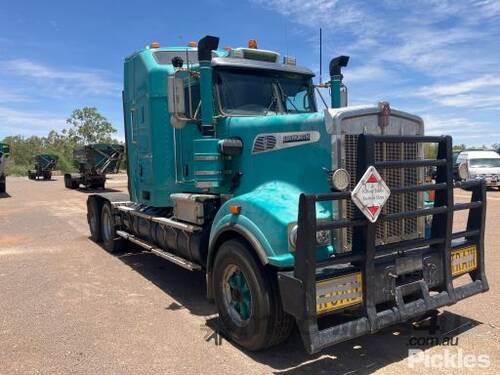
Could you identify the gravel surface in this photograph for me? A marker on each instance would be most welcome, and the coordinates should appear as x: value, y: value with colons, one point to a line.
x: 67, y: 306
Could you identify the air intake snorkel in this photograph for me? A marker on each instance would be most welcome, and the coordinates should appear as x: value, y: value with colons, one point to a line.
x: 338, y: 89
x: 205, y: 47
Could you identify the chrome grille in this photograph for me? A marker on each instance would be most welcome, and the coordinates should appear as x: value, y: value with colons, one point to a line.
x: 397, y: 230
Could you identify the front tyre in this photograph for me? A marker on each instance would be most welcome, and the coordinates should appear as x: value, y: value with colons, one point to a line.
x: 247, y: 299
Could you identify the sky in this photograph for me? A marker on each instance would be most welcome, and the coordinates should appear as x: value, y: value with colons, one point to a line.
x: 438, y: 59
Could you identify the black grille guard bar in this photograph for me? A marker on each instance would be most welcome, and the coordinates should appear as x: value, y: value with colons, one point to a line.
x: 298, y: 287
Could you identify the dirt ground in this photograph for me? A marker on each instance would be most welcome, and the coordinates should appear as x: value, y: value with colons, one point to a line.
x: 67, y: 306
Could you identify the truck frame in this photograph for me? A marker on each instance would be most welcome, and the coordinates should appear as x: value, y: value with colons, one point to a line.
x: 256, y: 191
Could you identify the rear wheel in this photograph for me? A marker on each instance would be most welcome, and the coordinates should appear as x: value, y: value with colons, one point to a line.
x: 110, y: 239
x: 67, y: 181
x: 94, y: 212
x: 247, y: 299
x: 47, y: 175
x: 2, y: 184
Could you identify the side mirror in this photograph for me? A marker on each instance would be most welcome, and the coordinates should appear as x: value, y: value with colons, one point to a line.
x: 176, y: 102
x: 463, y: 171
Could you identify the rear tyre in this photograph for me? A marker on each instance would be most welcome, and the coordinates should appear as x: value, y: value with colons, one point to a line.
x: 2, y: 185
x: 247, y: 299
x: 94, y: 219
x: 110, y: 239
x: 67, y: 181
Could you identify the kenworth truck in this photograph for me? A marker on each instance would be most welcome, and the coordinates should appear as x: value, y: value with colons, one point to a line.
x: 4, y: 154
x: 297, y: 216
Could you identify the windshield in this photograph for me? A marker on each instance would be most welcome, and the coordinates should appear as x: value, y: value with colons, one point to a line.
x: 485, y: 163
x: 264, y: 92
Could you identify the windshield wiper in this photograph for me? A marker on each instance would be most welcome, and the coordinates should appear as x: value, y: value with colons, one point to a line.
x: 275, y: 98
x: 284, y: 97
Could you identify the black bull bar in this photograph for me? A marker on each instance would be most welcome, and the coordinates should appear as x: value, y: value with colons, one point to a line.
x: 384, y: 288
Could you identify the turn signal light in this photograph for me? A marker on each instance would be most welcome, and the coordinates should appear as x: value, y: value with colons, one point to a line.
x: 432, y: 195
x: 235, y: 209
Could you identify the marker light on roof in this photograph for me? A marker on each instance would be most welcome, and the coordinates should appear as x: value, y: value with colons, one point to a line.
x: 289, y: 60
x: 252, y: 43
x: 154, y: 45
x: 237, y: 53
x: 192, y: 44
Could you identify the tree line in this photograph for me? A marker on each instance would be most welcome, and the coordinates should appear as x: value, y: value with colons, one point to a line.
x: 85, y: 126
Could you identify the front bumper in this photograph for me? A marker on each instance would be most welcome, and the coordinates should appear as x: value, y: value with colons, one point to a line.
x: 397, y: 281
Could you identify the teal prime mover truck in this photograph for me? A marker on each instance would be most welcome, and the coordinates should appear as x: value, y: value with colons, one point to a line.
x: 296, y: 215
x: 4, y: 154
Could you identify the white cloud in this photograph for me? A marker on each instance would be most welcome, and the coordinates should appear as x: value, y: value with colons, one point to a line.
x: 62, y: 82
x: 365, y: 73
x: 482, y: 82
x: 10, y: 96
x: 481, y: 92
x: 27, y: 122
x: 462, y: 129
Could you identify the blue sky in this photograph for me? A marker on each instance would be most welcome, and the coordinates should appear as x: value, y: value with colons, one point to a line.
x: 438, y: 59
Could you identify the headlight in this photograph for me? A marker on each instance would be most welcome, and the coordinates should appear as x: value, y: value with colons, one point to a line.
x: 323, y: 237
x: 340, y: 179
x: 292, y: 235
x: 463, y: 171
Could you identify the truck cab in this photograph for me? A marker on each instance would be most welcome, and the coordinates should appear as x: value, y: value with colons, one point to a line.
x: 293, y: 213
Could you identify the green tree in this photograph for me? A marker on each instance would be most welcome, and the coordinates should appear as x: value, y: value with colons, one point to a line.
x: 88, y: 126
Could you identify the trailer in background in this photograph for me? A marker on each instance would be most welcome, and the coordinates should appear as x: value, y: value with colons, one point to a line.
x: 44, y: 165
x: 94, y: 162
x: 4, y: 154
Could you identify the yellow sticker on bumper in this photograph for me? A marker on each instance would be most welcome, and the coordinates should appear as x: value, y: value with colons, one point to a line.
x: 463, y: 260
x: 338, y: 292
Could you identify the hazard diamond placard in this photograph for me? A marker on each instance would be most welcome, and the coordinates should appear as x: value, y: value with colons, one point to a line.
x: 370, y: 194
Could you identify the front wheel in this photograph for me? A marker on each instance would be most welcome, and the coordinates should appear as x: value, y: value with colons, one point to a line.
x: 247, y: 299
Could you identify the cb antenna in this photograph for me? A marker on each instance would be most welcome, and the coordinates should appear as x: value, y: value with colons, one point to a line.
x: 320, y: 56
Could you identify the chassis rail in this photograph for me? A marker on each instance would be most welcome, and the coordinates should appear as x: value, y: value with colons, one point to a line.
x: 298, y: 287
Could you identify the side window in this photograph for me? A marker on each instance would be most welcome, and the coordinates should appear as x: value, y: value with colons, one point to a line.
x: 298, y: 103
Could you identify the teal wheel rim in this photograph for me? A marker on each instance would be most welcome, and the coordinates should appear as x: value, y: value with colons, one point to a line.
x: 237, y: 295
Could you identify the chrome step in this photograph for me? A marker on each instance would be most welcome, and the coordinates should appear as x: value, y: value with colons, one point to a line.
x: 184, y: 263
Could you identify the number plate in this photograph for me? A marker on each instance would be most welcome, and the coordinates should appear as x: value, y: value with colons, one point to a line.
x: 463, y: 260
x: 338, y: 292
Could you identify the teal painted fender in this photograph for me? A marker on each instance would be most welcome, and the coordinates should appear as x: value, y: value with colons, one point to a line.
x: 263, y: 221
